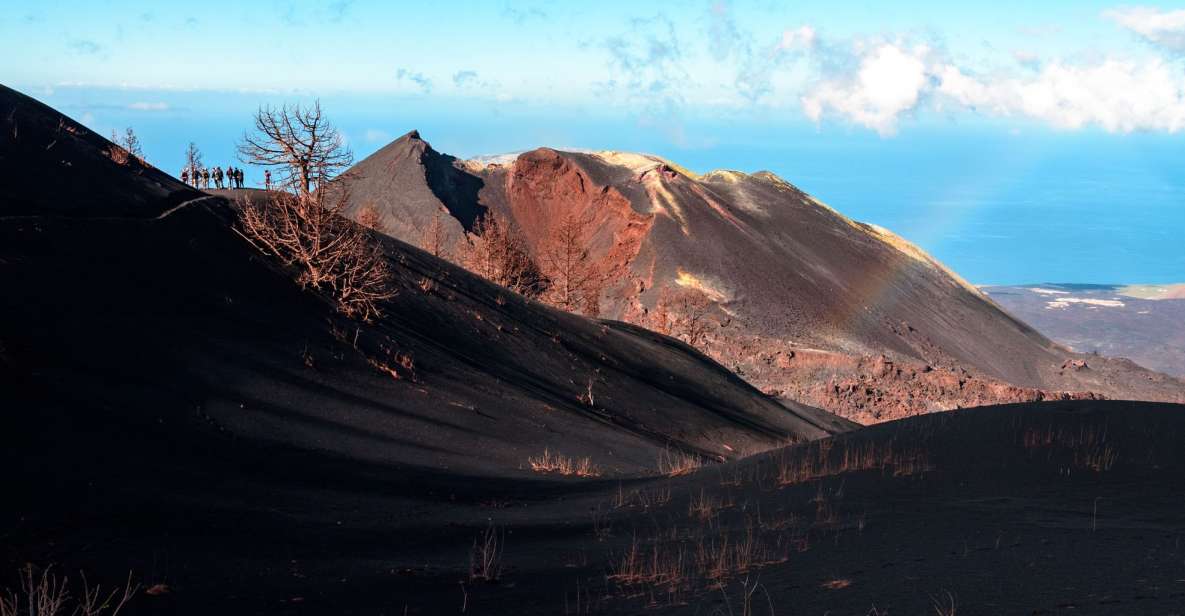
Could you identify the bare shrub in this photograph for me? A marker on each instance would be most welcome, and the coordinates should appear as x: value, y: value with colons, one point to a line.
x: 574, y: 281
x: 658, y: 565
x: 118, y: 155
x: 498, y: 254
x: 329, y: 253
x: 680, y: 559
x: 45, y: 594
x: 563, y: 465
x: 1081, y: 446
x: 686, y: 314
x: 399, y: 366
x: 674, y: 462
x: 304, y: 225
x: 703, y: 506
x: 130, y: 142
x: 123, y: 148
x: 434, y: 238
x: 827, y: 458
x: 720, y: 557
x: 485, y: 560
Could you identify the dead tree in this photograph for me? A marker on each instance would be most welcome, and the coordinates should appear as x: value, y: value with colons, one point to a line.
x: 328, y: 252
x: 434, y: 237
x: 131, y: 143
x: 116, y: 152
x: 498, y: 254
x: 127, y: 146
x: 573, y: 278
x: 306, y: 228
x: 193, y: 158
x: 685, y: 314
x: 299, y: 143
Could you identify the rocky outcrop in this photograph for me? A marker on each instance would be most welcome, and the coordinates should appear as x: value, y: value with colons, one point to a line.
x: 871, y: 389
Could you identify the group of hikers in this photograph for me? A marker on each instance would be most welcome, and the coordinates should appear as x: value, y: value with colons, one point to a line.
x: 199, y: 177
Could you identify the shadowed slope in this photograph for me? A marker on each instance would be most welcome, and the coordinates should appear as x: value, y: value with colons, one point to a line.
x: 172, y: 404
x: 176, y: 321
x: 56, y: 167
x: 169, y: 393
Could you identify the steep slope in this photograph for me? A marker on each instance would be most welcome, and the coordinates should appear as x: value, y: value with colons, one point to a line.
x: 172, y: 405
x: 807, y: 301
x: 408, y: 184
x: 42, y: 149
x: 173, y: 324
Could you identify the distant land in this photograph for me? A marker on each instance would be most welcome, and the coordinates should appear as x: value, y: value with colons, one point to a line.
x: 1143, y: 322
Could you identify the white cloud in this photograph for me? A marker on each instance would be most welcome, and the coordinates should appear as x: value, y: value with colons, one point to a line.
x: 1120, y: 96
x: 1163, y: 28
x: 890, y: 80
x: 875, y: 84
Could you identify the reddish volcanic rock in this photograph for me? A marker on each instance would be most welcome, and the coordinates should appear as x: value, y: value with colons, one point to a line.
x: 782, y: 274
x: 543, y: 187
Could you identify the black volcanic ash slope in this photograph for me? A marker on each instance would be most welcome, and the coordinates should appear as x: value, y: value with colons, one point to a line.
x: 53, y: 165
x: 173, y: 327
x: 173, y: 405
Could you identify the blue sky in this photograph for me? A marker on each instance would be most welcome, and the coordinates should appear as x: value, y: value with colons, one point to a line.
x: 1017, y: 141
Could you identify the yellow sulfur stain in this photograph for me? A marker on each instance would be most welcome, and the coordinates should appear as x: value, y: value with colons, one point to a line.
x: 691, y: 281
x: 725, y: 175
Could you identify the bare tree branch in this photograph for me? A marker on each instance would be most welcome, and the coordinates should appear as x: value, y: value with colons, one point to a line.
x: 328, y: 252
x: 498, y: 254
x: 299, y: 143
x: 574, y: 280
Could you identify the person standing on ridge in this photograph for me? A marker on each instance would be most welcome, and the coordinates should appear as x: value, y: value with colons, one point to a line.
x: 267, y: 179
x: 185, y: 176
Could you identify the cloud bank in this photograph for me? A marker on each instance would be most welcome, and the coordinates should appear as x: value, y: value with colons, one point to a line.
x: 888, y: 81
x: 877, y: 82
